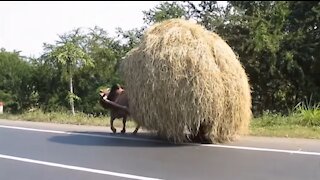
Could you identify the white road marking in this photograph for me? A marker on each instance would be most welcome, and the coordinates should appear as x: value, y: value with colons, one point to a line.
x: 264, y: 149
x: 152, y: 140
x: 97, y: 171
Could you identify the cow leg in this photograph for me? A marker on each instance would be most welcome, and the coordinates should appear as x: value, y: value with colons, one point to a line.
x: 124, y: 120
x: 203, y: 135
x: 111, y: 123
x: 136, y: 130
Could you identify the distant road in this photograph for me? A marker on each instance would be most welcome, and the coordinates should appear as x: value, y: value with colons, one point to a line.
x: 44, y: 151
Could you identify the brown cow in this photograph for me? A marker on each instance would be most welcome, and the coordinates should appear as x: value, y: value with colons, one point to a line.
x: 116, y: 101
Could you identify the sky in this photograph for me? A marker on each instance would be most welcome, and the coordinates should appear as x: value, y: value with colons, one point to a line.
x: 26, y: 25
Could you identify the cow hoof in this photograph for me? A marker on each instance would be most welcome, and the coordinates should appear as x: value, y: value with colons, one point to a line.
x: 114, y: 130
x: 123, y: 131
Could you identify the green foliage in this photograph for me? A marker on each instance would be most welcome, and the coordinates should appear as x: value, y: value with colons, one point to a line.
x: 302, y: 122
x: 163, y: 11
x: 303, y: 114
x: 71, y: 55
x: 308, y: 113
x: 53, y: 69
x: 131, y: 37
x: 16, y: 86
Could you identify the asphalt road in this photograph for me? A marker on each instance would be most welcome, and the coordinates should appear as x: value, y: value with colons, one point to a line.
x: 41, y: 151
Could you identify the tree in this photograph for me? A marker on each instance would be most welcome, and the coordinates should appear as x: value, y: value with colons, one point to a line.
x: 16, y: 87
x: 71, y: 56
x: 303, y: 42
x: 130, y: 38
x: 165, y: 10
x: 106, y: 53
x: 52, y: 76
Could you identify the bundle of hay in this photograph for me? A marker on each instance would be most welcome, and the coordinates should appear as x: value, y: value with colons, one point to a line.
x: 183, y: 77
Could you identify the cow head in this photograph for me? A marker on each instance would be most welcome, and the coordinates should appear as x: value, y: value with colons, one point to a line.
x: 111, y: 94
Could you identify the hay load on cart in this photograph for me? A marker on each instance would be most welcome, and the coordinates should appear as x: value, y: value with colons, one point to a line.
x: 182, y: 78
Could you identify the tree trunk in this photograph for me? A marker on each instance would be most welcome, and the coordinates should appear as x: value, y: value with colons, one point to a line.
x: 71, y: 99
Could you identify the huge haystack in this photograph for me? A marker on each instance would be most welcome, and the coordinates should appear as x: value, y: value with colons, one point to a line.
x: 183, y: 76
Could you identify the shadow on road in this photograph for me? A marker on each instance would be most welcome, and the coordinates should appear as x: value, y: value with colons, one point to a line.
x: 109, y: 139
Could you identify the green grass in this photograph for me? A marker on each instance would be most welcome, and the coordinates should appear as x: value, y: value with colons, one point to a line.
x: 303, y: 122
x: 289, y: 131
x: 66, y: 118
x: 293, y: 126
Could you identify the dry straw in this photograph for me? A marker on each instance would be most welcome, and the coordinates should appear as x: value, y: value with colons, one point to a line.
x: 183, y: 77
